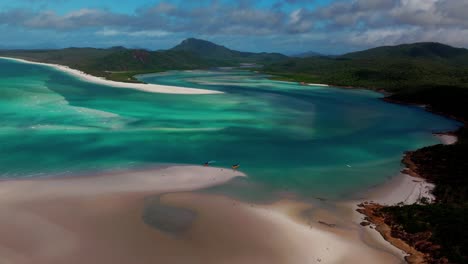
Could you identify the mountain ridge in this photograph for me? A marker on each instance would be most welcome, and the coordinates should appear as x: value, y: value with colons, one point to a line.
x: 418, y: 50
x: 210, y: 50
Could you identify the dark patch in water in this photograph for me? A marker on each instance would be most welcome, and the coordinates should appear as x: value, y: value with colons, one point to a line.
x: 173, y: 220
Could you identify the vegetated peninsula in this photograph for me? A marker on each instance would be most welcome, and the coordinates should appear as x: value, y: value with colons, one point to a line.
x: 122, y: 64
x: 430, y: 74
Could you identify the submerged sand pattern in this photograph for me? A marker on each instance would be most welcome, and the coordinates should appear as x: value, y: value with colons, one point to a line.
x: 99, y: 219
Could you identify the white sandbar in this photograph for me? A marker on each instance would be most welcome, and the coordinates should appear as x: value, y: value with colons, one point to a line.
x: 151, y: 88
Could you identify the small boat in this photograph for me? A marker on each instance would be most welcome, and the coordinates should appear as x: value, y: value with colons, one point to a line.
x: 206, y: 164
x: 235, y: 166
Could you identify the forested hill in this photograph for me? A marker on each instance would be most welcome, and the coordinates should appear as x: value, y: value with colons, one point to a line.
x: 426, y: 73
x: 121, y: 64
x: 391, y: 67
x: 214, y: 52
x: 423, y: 50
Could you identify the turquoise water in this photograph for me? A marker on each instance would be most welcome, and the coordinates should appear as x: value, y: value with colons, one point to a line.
x: 312, y: 141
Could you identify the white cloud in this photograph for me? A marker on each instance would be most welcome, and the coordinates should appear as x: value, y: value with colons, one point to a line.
x: 141, y: 33
x: 382, y: 36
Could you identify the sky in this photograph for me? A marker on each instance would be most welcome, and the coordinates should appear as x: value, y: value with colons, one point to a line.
x: 288, y: 26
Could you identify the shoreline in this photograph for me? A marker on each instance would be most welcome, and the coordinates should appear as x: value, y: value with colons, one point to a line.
x: 94, y: 218
x: 318, y: 84
x: 101, y: 217
x: 447, y: 138
x: 297, y: 238
x: 75, y: 210
x: 406, y: 189
x: 401, y: 189
x: 371, y: 213
x: 152, y: 88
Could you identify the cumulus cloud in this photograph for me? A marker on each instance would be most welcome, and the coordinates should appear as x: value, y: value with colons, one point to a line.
x: 377, y: 22
x: 141, y: 33
x: 356, y: 23
x: 50, y: 20
x: 215, y: 18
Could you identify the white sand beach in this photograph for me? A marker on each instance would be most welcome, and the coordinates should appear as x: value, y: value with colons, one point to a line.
x: 152, y: 88
x: 318, y: 84
x: 447, y: 139
x: 98, y: 219
x: 89, y: 219
x: 403, y: 188
x: 158, y: 180
x: 279, y: 233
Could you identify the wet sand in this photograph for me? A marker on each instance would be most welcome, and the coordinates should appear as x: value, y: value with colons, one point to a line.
x: 402, y: 188
x: 100, y: 219
x: 447, y: 139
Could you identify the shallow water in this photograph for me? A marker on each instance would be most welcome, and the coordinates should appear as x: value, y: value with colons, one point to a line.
x: 293, y: 139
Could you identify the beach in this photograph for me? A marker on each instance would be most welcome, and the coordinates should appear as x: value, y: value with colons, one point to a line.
x: 151, y: 88
x: 318, y: 84
x: 406, y: 188
x: 447, y: 139
x: 98, y: 219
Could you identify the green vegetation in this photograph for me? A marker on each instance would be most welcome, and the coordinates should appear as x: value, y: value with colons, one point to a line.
x: 443, y: 223
x: 224, y: 56
x: 395, y: 69
x: 447, y: 219
x: 116, y: 63
x: 121, y: 64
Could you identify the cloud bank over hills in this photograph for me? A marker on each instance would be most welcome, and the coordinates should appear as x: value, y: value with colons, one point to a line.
x: 284, y: 26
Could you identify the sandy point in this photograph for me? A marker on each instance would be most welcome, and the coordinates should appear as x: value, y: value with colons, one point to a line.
x: 151, y: 88
x: 99, y: 219
x: 89, y: 219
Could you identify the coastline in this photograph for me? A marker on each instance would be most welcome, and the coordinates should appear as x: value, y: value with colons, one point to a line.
x: 401, y: 189
x: 151, y: 88
x: 318, y: 84
x: 102, y: 218
x: 371, y: 213
x: 406, y: 189
x: 447, y: 138
x: 283, y: 232
x: 276, y: 216
x: 107, y: 210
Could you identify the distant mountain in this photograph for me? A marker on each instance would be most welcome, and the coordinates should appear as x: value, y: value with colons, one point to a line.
x: 121, y: 64
x: 307, y: 54
x: 144, y: 60
x: 212, y: 51
x: 204, y: 48
x: 389, y: 67
x: 422, y: 50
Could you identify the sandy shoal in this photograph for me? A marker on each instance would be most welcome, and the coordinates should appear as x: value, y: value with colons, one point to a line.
x: 152, y: 88
x: 318, y: 84
x: 402, y: 188
x: 447, y: 139
x: 98, y: 219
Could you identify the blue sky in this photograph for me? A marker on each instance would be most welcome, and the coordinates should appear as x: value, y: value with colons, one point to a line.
x: 288, y: 26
